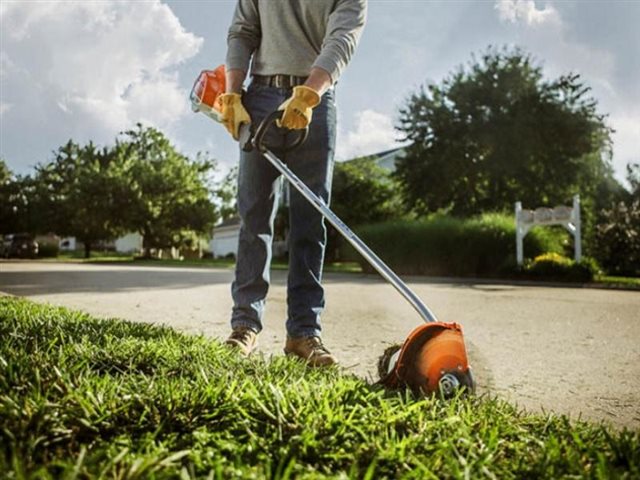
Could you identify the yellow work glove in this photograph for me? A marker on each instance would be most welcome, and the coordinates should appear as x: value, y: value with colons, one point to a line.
x: 233, y: 113
x: 298, y: 108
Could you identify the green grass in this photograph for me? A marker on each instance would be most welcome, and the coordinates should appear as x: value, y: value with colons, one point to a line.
x: 114, y: 257
x: 188, y: 262
x: 82, y: 397
x: 96, y: 256
x: 126, y: 258
x: 622, y: 282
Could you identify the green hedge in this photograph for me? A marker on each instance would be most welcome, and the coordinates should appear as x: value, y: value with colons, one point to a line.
x: 48, y: 250
x: 442, y: 245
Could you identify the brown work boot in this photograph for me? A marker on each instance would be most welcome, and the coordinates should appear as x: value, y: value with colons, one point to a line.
x: 311, y: 350
x: 243, y: 338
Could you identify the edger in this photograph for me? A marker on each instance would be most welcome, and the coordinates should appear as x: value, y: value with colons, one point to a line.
x: 433, y: 358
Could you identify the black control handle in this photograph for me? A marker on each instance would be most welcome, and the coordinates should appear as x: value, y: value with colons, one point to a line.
x: 249, y: 139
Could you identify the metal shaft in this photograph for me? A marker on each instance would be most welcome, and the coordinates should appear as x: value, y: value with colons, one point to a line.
x: 426, y: 314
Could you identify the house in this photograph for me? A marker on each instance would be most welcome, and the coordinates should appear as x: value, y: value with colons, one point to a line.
x: 130, y: 243
x: 224, y: 241
x: 387, y: 159
x: 67, y: 244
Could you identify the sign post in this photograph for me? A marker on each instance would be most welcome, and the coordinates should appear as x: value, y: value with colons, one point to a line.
x: 568, y: 217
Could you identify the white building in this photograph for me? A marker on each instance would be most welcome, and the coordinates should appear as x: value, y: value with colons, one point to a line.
x: 130, y: 243
x: 225, y: 238
x: 67, y: 244
x: 387, y: 159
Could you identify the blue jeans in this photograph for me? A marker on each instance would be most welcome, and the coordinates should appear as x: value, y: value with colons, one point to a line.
x: 258, y: 190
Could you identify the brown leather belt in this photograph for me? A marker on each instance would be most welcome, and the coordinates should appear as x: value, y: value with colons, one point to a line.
x: 279, y: 81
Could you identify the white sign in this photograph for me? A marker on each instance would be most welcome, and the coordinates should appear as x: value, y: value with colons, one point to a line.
x: 568, y: 217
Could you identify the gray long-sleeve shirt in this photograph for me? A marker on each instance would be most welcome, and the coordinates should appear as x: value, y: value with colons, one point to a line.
x: 292, y: 36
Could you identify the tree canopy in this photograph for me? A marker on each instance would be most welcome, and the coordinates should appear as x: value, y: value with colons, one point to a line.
x: 633, y: 177
x: 496, y: 131
x: 82, y: 193
x: 617, y: 235
x: 10, y: 200
x: 168, y: 194
x: 362, y: 192
x: 226, y: 191
x: 5, y: 173
x: 142, y: 184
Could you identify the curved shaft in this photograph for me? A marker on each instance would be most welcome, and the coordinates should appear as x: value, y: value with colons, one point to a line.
x: 424, y: 311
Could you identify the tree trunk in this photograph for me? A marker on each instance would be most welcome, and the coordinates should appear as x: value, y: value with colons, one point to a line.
x: 146, y: 249
x: 87, y: 249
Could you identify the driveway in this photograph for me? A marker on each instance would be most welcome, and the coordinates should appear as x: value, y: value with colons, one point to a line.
x: 567, y: 350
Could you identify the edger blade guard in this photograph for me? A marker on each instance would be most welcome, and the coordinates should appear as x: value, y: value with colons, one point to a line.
x: 433, y: 359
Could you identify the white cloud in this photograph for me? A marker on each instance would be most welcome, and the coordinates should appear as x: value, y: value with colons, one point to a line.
x: 4, y: 107
x: 626, y: 139
x: 547, y: 36
x: 374, y: 132
x: 518, y: 11
x: 87, y: 70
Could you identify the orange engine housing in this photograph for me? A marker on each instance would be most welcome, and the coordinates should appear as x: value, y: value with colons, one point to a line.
x: 206, y: 91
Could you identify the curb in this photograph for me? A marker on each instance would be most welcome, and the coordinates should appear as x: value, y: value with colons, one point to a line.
x: 506, y: 281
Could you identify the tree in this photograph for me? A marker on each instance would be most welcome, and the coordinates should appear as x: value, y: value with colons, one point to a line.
x: 633, y: 177
x: 8, y: 197
x: 81, y: 193
x: 226, y: 192
x: 5, y: 173
x: 617, y: 236
x: 168, y: 194
x: 362, y: 192
x: 497, y: 132
x: 22, y: 212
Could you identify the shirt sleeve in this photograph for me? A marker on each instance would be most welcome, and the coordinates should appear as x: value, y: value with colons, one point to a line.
x: 244, y: 35
x: 343, y: 32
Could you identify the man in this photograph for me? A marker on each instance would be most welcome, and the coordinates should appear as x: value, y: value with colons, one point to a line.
x: 297, y: 50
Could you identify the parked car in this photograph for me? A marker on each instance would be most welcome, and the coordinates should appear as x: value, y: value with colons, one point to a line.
x: 20, y: 245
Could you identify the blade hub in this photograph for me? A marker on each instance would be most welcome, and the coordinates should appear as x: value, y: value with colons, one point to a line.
x: 448, y: 384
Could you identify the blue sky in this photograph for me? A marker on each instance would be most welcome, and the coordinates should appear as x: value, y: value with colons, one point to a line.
x: 87, y: 70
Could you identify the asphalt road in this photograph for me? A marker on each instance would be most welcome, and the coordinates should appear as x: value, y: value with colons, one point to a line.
x: 567, y: 350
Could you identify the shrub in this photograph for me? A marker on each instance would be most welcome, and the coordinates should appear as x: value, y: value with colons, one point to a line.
x: 443, y: 245
x: 552, y: 266
x: 591, y: 265
x: 48, y: 250
x: 618, y: 238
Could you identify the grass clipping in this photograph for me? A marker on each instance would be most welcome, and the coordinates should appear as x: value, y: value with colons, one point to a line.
x: 83, y: 398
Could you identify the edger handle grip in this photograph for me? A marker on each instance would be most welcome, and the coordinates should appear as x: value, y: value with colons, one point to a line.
x: 258, y: 137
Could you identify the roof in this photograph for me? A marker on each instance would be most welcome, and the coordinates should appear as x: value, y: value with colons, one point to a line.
x: 387, y: 158
x: 387, y: 152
